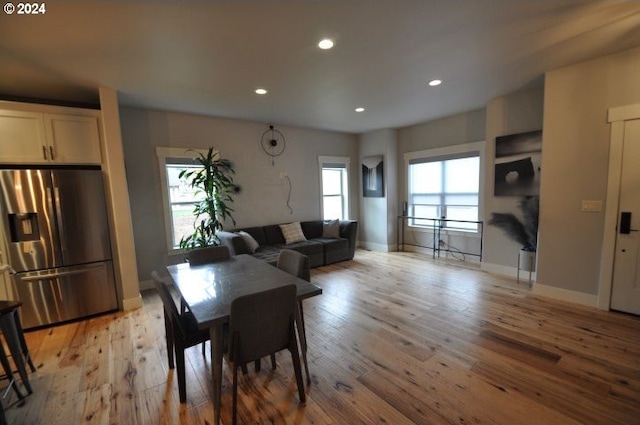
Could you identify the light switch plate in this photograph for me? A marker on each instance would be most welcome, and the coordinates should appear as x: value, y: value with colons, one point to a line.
x: 591, y: 206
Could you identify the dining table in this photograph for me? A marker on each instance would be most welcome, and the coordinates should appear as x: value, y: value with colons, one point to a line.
x: 208, y: 290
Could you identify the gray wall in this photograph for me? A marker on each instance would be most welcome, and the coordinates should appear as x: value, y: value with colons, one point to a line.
x: 468, y: 127
x: 575, y: 158
x: 571, y: 110
x: 263, y: 196
x: 377, y: 215
x: 515, y: 113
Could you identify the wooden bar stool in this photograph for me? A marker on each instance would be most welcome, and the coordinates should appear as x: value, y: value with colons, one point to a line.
x: 14, y: 337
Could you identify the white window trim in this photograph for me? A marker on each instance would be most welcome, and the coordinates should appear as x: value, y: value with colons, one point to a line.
x: 463, y: 148
x: 335, y: 160
x: 162, y: 154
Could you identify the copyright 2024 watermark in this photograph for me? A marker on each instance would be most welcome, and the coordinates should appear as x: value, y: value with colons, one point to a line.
x: 34, y: 8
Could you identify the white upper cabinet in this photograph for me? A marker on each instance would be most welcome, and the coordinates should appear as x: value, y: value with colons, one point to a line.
x: 22, y: 137
x: 54, y: 135
x: 73, y: 139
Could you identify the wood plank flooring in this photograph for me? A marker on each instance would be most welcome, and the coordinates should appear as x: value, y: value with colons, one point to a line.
x: 395, y: 338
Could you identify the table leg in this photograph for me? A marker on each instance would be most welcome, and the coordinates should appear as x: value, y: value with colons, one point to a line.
x: 217, y: 347
x: 302, y: 338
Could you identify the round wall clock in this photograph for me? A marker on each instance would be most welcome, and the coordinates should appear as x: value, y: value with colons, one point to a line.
x: 273, y: 143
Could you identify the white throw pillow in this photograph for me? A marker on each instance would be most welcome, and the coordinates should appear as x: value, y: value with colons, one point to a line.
x: 292, y: 233
x: 249, y: 241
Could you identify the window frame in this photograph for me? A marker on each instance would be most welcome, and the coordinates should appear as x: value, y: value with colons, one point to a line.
x: 165, y: 154
x: 338, y: 162
x: 448, y: 153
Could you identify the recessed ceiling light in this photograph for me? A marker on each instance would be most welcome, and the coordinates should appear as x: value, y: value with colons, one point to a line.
x: 261, y: 91
x: 325, y: 44
x: 434, y: 83
x: 360, y: 109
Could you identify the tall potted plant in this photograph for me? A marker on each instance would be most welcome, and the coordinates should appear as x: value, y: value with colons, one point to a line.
x: 524, y: 232
x: 215, y: 182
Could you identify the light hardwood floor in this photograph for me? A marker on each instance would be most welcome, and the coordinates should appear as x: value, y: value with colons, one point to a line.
x: 395, y: 338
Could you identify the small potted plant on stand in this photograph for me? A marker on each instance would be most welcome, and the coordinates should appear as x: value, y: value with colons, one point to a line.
x: 524, y: 231
x: 215, y: 181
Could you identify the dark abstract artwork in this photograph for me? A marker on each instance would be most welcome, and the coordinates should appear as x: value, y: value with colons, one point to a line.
x: 518, y: 163
x: 372, y: 176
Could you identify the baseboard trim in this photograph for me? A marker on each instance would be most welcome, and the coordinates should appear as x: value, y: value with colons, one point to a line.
x: 539, y: 289
x: 146, y: 284
x: 132, y: 303
x: 507, y: 271
x: 581, y: 298
x: 372, y: 246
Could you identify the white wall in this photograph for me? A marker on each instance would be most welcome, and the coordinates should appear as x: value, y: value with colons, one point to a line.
x: 263, y: 196
x: 575, y: 168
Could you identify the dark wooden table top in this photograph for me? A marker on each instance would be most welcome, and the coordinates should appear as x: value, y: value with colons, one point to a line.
x: 208, y: 289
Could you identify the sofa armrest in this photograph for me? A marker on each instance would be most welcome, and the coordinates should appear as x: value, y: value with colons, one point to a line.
x: 234, y: 242
x: 349, y: 231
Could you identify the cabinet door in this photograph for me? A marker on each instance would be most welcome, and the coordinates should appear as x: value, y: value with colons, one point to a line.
x: 74, y: 139
x: 22, y: 137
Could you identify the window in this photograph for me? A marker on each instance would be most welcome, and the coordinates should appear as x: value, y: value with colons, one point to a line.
x: 178, y: 196
x: 334, y: 181
x: 444, y: 184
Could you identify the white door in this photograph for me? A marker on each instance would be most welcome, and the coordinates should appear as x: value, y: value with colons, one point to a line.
x: 625, y: 295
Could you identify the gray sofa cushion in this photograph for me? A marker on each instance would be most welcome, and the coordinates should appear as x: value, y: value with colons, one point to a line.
x: 274, y: 235
x: 258, y: 234
x: 311, y: 248
x: 331, y: 244
x: 268, y: 253
x: 312, y: 229
x: 234, y: 242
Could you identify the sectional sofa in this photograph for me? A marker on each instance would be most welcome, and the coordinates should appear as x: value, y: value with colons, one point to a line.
x: 323, y: 242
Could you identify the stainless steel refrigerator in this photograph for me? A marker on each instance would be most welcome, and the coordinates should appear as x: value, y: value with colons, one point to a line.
x: 55, y: 232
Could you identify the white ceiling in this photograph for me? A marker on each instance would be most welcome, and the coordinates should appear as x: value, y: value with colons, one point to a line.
x: 207, y: 57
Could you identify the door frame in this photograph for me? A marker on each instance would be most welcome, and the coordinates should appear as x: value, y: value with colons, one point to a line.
x: 616, y: 117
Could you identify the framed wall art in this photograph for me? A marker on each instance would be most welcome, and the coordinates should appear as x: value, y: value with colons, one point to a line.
x: 517, y: 166
x: 372, y: 176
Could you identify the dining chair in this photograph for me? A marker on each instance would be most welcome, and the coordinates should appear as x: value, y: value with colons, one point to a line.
x: 199, y: 256
x: 297, y: 264
x: 210, y: 254
x: 182, y: 332
x: 262, y: 324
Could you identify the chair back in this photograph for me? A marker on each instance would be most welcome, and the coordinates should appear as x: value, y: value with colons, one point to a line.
x: 261, y: 324
x: 295, y: 263
x: 169, y: 304
x: 210, y: 254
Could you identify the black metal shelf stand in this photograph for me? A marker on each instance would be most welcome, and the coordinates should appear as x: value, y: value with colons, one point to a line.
x: 437, y: 227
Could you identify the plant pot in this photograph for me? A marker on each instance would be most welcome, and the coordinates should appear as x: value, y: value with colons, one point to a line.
x: 527, y: 260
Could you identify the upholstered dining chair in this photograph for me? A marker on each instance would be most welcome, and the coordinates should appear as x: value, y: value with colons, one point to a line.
x: 262, y: 324
x: 210, y: 254
x: 198, y: 256
x: 295, y: 263
x: 181, y: 332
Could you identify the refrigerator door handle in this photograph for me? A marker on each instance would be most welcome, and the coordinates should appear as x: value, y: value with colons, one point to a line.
x: 61, y: 233
x: 61, y: 274
x: 50, y: 209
